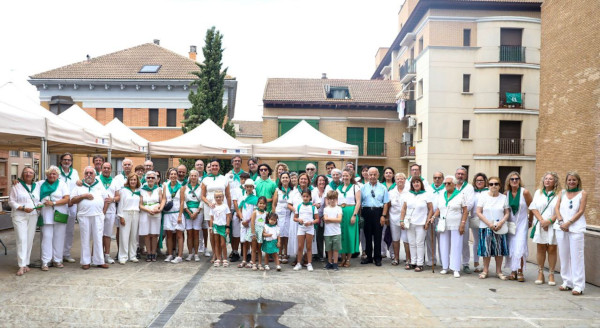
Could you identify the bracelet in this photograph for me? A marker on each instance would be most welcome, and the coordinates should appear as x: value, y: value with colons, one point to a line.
x: 550, y: 220
x: 401, y: 220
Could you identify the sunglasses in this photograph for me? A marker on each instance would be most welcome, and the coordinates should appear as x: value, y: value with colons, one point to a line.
x: 310, y: 169
x: 448, y: 183
x: 150, y: 178
x: 89, y: 173
x: 493, y: 184
x: 570, y: 204
x: 263, y: 170
x: 515, y: 179
x: 438, y: 178
x: 372, y: 193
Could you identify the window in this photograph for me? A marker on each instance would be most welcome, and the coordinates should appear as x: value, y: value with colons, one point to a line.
x: 466, y: 37
x: 14, y: 172
x: 511, y: 49
x: 171, y: 117
x: 375, y: 142
x: 27, y: 154
x: 421, y: 45
x: 510, y: 91
x: 118, y: 114
x: 2, y: 169
x: 153, y: 117
x: 14, y: 153
x: 509, y: 141
x: 338, y: 93
x: 59, y: 104
x: 420, y: 88
x: 356, y: 136
x: 420, y: 131
x: 466, y: 83
x: 465, y: 129
x: 511, y: 36
x: 150, y: 69
x: 286, y: 125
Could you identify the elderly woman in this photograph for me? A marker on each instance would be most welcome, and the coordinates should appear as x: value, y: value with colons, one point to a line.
x: 152, y: 203
x: 569, y: 234
x: 519, y: 200
x: 479, y: 186
x: 193, y: 216
x: 336, y: 180
x: 543, y: 209
x: 349, y: 199
x: 24, y: 199
x: 452, y: 211
x: 492, y: 211
x: 54, y: 194
x: 173, y: 222
x: 210, y: 184
x: 128, y: 213
x: 396, y: 203
x: 416, y: 210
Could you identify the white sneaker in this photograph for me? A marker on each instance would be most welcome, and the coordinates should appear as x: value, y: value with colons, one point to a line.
x: 169, y: 258
x: 122, y: 262
x: 135, y: 260
x: 279, y: 268
x: 177, y: 260
x: 70, y: 259
x: 189, y: 257
x: 444, y: 271
x: 196, y: 258
x: 309, y: 267
x: 108, y: 259
x: 298, y: 267
x: 206, y: 253
x: 456, y: 274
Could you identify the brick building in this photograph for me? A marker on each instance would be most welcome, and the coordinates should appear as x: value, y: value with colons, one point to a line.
x: 360, y: 112
x: 146, y: 87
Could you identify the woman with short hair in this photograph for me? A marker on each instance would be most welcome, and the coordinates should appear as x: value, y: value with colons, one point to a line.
x: 519, y: 200
x: 128, y: 213
x: 479, y: 186
x: 416, y: 210
x: 152, y: 203
x: 396, y: 203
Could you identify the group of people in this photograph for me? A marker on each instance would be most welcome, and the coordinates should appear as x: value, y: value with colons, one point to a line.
x: 301, y: 217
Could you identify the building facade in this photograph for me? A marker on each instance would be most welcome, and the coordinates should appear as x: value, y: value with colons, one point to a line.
x: 470, y: 79
x: 360, y: 112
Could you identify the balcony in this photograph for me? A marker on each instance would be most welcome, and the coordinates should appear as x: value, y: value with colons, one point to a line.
x: 408, y: 70
x: 511, y: 100
x: 410, y: 107
x: 511, y: 146
x: 376, y: 149
x: 407, y: 151
x: 514, y: 54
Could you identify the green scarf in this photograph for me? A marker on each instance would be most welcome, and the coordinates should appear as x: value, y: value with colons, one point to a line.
x: 576, y: 189
x: 47, y: 189
x: 260, y: 211
x: 213, y: 176
x: 418, y: 192
x: 147, y: 188
x: 410, y: 177
x: 193, y: 189
x: 251, y: 199
x: 463, y: 186
x: 341, y: 188
x: 546, y: 194
x: 98, y: 173
x: 310, y: 187
x: 390, y: 187
x: 106, y: 181
x: 124, y: 176
x: 481, y: 190
x: 133, y: 192
x: 286, y: 192
x: 236, y: 176
x: 184, y: 183
x: 437, y: 189
x: 143, y: 179
x: 334, y: 185
x: 454, y: 193
x: 173, y: 190
x: 67, y: 176
x: 27, y: 188
x: 254, y: 175
x: 306, y: 203
x: 90, y: 186
x: 514, y: 202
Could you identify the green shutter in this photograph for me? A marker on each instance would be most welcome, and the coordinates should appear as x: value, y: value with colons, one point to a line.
x: 375, y: 142
x: 356, y: 136
x: 286, y: 125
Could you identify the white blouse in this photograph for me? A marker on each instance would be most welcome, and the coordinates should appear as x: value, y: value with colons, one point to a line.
x: 128, y: 201
x: 151, y: 198
x: 416, y: 207
x: 176, y: 198
x: 453, y: 211
x: 316, y: 199
x: 192, y: 196
x: 19, y: 196
x: 396, y: 203
x: 567, y: 213
x: 214, y: 184
x: 350, y: 197
x: 492, y: 207
x: 61, y: 191
x: 540, y: 203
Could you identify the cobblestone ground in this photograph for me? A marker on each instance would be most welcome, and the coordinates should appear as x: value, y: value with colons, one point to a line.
x: 194, y: 294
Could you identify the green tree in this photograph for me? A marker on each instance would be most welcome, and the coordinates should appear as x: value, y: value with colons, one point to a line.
x: 207, y: 100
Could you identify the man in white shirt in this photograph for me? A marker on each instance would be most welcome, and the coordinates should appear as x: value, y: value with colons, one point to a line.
x: 415, y: 171
x: 121, y: 178
x: 469, y: 194
x: 112, y: 187
x: 91, y: 207
x: 70, y: 176
x: 437, y: 187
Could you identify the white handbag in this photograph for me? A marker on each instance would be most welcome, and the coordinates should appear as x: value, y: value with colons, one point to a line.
x: 441, y: 225
x: 503, y: 230
x: 512, y: 227
x: 474, y: 222
x: 407, y: 220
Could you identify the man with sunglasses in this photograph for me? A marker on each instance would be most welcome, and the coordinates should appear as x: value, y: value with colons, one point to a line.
x: 469, y: 194
x: 69, y: 176
x: 264, y: 185
x: 436, y: 188
x: 375, y: 204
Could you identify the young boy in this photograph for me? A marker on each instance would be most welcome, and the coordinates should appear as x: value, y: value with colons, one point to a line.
x: 332, y: 216
x: 245, y: 206
x: 238, y: 194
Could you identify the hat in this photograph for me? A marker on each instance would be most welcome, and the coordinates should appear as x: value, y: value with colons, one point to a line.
x: 249, y: 182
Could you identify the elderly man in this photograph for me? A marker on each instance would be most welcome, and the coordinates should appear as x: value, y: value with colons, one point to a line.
x: 98, y: 160
x: 69, y: 176
x: 112, y: 187
x: 199, y: 166
x: 415, y: 171
x: 375, y: 203
x: 311, y: 170
x: 336, y: 180
x: 121, y: 179
x: 91, y: 206
x: 469, y: 194
x: 182, y: 175
x: 437, y: 187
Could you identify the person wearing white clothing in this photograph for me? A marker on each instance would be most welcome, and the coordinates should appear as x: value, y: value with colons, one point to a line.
x: 396, y: 202
x: 235, y: 188
x: 173, y: 222
x: 54, y: 194
x: 91, y: 207
x: 112, y: 188
x: 294, y: 200
x: 192, y: 213
x: 416, y: 210
x: 436, y: 188
x: 479, y: 187
x: 452, y: 211
x: 468, y: 192
x: 129, y: 218
x: 569, y: 234
x: 24, y: 199
x: 283, y: 192
x: 543, y: 209
x: 519, y: 200
x: 120, y: 181
x: 210, y: 184
x: 152, y: 203
x: 69, y: 176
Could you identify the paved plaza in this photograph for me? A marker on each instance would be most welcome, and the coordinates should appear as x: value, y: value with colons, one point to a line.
x: 194, y: 294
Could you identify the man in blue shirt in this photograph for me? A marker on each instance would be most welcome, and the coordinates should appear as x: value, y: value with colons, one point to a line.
x: 375, y: 204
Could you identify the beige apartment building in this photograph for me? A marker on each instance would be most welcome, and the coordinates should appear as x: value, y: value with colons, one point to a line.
x: 360, y: 112
x: 470, y: 75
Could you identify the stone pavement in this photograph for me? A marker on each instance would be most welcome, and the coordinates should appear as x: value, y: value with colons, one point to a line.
x: 194, y: 294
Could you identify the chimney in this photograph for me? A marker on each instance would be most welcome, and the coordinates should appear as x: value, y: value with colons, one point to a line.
x: 88, y: 57
x: 157, y: 42
x: 193, y: 53
x: 324, y: 76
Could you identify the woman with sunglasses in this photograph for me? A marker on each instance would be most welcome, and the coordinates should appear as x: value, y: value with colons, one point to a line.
x: 265, y: 186
x: 519, y: 200
x: 492, y: 211
x: 479, y: 186
x: 569, y: 234
x: 210, y: 184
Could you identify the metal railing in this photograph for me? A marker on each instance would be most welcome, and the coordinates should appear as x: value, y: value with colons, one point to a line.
x: 511, y: 146
x: 409, y: 67
x: 514, y: 54
x: 378, y: 149
x: 503, y: 103
x: 410, y: 107
x: 406, y: 150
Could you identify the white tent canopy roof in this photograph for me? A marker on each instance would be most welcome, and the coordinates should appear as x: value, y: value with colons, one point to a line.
x: 305, y: 142
x: 116, y: 127
x: 19, y: 131
x: 207, y: 139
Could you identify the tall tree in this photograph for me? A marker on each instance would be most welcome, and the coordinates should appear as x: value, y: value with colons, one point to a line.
x: 207, y: 100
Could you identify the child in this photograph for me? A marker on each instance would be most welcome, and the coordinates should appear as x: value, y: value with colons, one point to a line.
x: 272, y: 241
x: 332, y: 215
x: 237, y: 196
x: 246, y: 206
x: 306, y: 216
x: 257, y: 225
x: 220, y: 220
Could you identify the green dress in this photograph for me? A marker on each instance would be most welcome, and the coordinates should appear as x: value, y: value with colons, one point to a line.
x: 265, y: 188
x: 350, y: 232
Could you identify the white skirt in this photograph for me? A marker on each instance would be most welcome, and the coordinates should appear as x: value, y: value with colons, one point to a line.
x: 542, y: 236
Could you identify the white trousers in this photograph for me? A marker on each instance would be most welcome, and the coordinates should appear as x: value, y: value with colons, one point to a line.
x: 466, y: 252
x: 416, y: 241
x: 70, y: 231
x: 91, y: 228
x: 572, y: 266
x: 451, y: 249
x: 109, y: 221
x: 24, y: 225
x: 431, y: 257
x: 53, y: 242
x: 128, y: 235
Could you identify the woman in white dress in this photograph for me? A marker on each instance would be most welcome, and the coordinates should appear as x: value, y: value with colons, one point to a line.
x: 519, y: 200
x: 128, y: 213
x: 153, y: 202
x: 396, y: 202
x: 294, y: 200
x: 192, y: 213
x: 210, y: 184
x: 173, y: 222
x: 543, y: 209
x: 417, y: 208
x: 569, y: 235
x: 280, y: 203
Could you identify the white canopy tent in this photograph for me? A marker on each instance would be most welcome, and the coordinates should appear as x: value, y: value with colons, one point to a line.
x: 207, y: 139
x: 19, y: 131
x: 116, y: 127
x: 303, y: 142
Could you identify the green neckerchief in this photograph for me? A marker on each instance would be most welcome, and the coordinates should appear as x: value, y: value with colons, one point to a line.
x: 147, y: 188
x: 437, y: 189
x: 133, y: 192
x: 98, y: 173
x: 271, y: 225
x: 260, y: 211
x: 251, y: 199
x: 309, y: 188
x: 418, y: 192
x: 463, y: 186
x: 306, y: 203
x: 123, y: 174
x: 184, y: 183
x: 576, y: 189
x: 193, y: 189
x: 410, y: 177
x: 106, y: 181
x: 454, y: 193
x: 341, y: 188
x: 173, y: 190
x: 47, y: 189
x: 200, y: 178
x: 27, y: 188
x: 213, y: 176
x: 90, y: 186
x: 514, y: 202
x: 254, y: 175
x: 390, y: 187
x: 67, y: 176
x: 334, y: 185
x: 286, y: 192
x: 236, y: 176
x: 546, y: 194
x: 481, y: 190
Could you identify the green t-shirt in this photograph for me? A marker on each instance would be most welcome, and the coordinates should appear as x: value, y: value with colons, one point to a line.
x: 265, y: 188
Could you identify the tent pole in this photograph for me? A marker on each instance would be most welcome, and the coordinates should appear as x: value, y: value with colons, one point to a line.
x: 109, y: 156
x: 43, y: 160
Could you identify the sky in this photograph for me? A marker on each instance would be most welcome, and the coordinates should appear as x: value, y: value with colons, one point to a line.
x: 262, y: 38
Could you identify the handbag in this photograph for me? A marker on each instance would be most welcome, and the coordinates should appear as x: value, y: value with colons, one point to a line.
x: 512, y: 227
x: 168, y: 206
x: 407, y: 220
x: 60, y: 217
x: 532, y: 234
x: 441, y: 225
x: 474, y: 222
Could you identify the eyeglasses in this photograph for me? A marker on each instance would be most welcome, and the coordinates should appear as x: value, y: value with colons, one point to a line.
x: 570, y: 204
x: 67, y: 160
x: 515, y: 179
x: 372, y: 193
x: 310, y: 169
x: 89, y: 173
x: 448, y: 183
x: 479, y: 180
x: 263, y: 170
x: 150, y: 178
x: 436, y: 178
x: 493, y: 184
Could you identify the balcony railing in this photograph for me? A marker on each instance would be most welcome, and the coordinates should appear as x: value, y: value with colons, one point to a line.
x: 410, y: 107
x: 511, y: 100
x: 515, y: 54
x: 407, y: 151
x: 408, y: 70
x: 377, y: 149
x: 511, y: 146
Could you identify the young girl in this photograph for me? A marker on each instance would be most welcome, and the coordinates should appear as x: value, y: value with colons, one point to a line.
x: 257, y: 224
x: 306, y: 216
x: 220, y: 220
x: 332, y: 216
x: 272, y: 241
x: 247, y: 204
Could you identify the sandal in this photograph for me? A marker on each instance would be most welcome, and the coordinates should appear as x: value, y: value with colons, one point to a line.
x: 21, y: 271
x: 44, y: 267
x: 254, y: 268
x: 564, y: 288
x: 59, y: 265
x: 520, y: 277
x: 242, y: 265
x: 347, y: 264
x: 225, y: 263
x: 249, y: 265
x: 395, y: 262
x: 501, y: 276
x: 267, y: 267
x: 217, y: 263
x: 539, y: 281
x: 576, y: 292
x: 418, y: 268
x: 512, y: 276
x: 149, y: 258
x: 261, y: 268
x: 483, y: 275
x: 551, y: 281
x: 407, y: 266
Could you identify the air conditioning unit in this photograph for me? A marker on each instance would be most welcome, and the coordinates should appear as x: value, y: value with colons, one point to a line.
x: 412, y: 122
x: 406, y: 137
